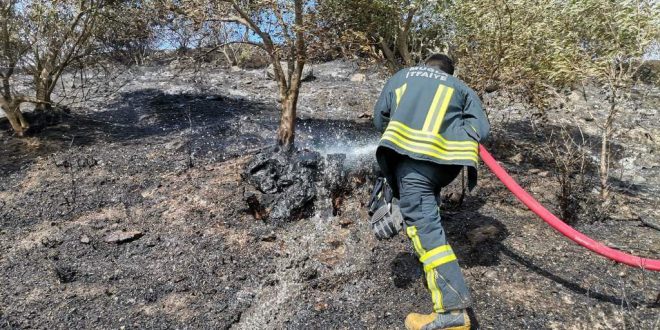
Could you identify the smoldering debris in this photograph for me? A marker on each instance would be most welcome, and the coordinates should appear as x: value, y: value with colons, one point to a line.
x: 289, y: 186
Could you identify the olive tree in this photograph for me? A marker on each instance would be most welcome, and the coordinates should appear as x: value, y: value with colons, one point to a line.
x: 504, y: 44
x: 12, y: 52
x: 276, y: 26
x: 401, y: 32
x: 553, y: 44
x: 127, y: 34
x: 60, y: 33
x: 606, y: 43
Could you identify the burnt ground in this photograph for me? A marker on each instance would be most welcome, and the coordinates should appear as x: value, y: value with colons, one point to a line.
x: 130, y: 213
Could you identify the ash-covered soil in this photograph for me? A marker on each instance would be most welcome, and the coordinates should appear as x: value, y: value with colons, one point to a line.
x: 132, y: 213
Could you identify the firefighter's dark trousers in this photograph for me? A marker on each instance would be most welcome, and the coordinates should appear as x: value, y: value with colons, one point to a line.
x: 419, y: 183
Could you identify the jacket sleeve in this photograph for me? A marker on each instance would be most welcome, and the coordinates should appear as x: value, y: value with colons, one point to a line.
x: 476, y: 121
x: 383, y: 107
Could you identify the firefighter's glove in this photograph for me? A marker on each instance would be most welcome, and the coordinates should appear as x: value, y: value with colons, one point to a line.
x: 386, y: 219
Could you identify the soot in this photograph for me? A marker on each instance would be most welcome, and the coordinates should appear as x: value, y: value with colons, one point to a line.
x: 286, y: 186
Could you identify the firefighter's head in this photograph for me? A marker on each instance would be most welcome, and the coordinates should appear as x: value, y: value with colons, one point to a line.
x: 442, y: 62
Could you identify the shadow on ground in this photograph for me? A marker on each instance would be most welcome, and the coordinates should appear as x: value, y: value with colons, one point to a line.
x: 144, y: 115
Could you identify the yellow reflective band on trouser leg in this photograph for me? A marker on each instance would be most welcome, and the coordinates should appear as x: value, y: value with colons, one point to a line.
x: 436, y: 294
x: 439, y: 251
x: 417, y: 244
x: 441, y: 260
x: 432, y: 259
x: 431, y: 281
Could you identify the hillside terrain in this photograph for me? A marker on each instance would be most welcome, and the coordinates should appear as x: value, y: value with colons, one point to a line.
x: 131, y: 212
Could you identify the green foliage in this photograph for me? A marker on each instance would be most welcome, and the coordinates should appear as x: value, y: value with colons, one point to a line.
x: 535, y: 47
x: 525, y: 45
x: 401, y: 32
x: 127, y: 33
x: 607, y: 39
x: 500, y: 43
x: 530, y: 44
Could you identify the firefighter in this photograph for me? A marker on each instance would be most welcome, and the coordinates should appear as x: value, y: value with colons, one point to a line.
x: 432, y: 124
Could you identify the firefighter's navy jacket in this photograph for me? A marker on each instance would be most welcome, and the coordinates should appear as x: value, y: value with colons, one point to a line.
x: 429, y: 115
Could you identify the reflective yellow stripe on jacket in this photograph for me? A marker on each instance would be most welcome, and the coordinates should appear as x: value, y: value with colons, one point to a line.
x: 438, y: 109
x: 429, y: 144
x: 399, y: 94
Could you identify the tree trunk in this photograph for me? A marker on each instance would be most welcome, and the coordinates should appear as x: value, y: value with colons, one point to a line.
x: 402, y: 46
x: 231, y: 57
x: 290, y: 90
x: 43, y: 95
x: 604, y: 165
x: 15, y: 117
x: 605, y: 150
x: 287, y: 129
x: 44, y: 91
x: 389, y: 56
x: 402, y: 39
x: 6, y: 90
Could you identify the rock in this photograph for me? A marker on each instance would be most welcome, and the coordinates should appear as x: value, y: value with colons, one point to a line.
x: 492, y: 86
x: 575, y: 97
x: 181, y: 90
x: 52, y: 241
x: 239, y: 93
x: 119, y: 237
x: 338, y: 70
x: 358, y: 77
x: 517, y: 159
x: 268, y: 237
x: 628, y: 163
x: 638, y: 179
x: 307, y: 74
x: 320, y: 306
x: 84, y: 239
x: 641, y: 134
x: 491, y: 274
x: 62, y: 163
x: 567, y: 299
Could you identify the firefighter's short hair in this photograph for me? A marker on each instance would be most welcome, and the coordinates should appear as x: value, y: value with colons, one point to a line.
x: 442, y: 62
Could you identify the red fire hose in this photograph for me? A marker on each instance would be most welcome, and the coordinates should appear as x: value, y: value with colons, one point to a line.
x: 562, y: 227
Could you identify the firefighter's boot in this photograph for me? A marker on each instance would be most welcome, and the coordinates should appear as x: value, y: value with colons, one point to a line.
x: 454, y: 320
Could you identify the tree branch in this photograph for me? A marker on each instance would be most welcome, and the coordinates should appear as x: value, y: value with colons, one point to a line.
x: 255, y: 44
